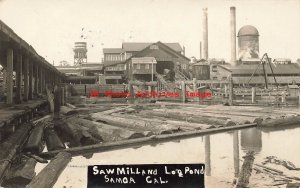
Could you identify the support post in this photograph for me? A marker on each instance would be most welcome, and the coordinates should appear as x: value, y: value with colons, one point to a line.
x: 230, y: 91
x: 183, y: 94
x: 19, y: 77
x: 236, y: 154
x: 9, y: 77
x: 226, y: 92
x: 30, y: 80
x: 207, y: 155
x: 40, y: 80
x: 36, y: 78
x: 131, y: 94
x: 26, y: 83
x: 253, y: 95
x: 62, y: 96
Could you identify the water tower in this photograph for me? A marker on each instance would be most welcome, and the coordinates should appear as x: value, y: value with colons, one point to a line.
x: 248, y: 43
x: 80, y: 53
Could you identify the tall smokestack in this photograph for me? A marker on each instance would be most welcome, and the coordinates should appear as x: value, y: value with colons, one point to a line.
x: 233, y: 35
x: 205, y: 34
x: 200, y: 50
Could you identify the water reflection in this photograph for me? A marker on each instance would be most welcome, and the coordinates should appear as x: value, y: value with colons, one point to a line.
x: 251, y: 139
x: 207, y: 155
x: 221, y: 153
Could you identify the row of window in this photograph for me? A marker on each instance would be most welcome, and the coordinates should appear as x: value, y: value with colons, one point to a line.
x: 117, y: 57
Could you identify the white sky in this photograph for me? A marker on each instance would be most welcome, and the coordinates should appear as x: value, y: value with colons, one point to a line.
x: 52, y: 27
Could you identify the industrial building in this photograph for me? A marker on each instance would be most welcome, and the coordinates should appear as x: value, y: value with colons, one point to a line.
x: 134, y: 61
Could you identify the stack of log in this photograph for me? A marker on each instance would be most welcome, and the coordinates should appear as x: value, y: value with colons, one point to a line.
x: 106, y: 132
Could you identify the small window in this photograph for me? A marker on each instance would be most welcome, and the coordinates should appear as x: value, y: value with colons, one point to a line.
x: 215, y: 78
x: 215, y: 68
x: 138, y: 66
x: 147, y: 66
x: 183, y: 66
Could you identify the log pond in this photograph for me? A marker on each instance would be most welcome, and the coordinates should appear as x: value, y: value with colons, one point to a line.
x: 222, y: 154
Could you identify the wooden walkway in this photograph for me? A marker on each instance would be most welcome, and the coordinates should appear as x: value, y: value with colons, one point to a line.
x: 19, y: 112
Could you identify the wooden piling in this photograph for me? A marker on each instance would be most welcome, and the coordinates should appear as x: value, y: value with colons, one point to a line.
x: 183, y: 91
x: 253, y: 95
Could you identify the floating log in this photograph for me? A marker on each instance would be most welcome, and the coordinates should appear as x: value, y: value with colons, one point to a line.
x: 70, y: 106
x: 41, y: 119
x: 293, y: 185
x: 67, y: 111
x: 21, y: 174
x: 107, y: 132
x: 183, y: 125
x: 78, y: 135
x: 35, y: 142
x: 49, y: 175
x: 243, y: 179
x: 269, y: 168
x: 53, y: 142
x: 114, y: 110
x: 137, y: 124
x: 35, y: 157
x: 287, y: 164
x: 142, y: 141
x: 11, y: 146
x: 291, y: 120
x: 188, y: 118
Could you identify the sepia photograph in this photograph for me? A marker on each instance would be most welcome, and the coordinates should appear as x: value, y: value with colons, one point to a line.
x: 150, y: 93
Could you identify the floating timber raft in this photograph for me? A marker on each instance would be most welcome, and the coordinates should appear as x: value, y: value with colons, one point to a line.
x: 92, y: 128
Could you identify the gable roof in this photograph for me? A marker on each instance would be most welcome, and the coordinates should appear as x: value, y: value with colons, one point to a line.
x: 138, y: 46
x: 161, y: 44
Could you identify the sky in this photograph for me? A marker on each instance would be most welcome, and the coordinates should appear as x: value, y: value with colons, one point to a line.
x: 52, y: 27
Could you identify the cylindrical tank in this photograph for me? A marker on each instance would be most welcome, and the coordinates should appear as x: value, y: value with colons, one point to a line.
x: 201, y: 71
x: 80, y: 53
x: 248, y: 43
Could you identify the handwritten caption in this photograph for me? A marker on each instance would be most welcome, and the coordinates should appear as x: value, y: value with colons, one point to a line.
x: 150, y: 175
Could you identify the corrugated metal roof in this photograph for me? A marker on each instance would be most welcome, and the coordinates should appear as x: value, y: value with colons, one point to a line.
x: 286, y: 69
x: 138, y: 46
x: 143, y: 60
x: 113, y: 50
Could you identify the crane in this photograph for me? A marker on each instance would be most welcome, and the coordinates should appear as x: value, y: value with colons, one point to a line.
x: 263, y: 63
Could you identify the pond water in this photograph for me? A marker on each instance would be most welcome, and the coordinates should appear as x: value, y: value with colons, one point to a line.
x: 222, y: 154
